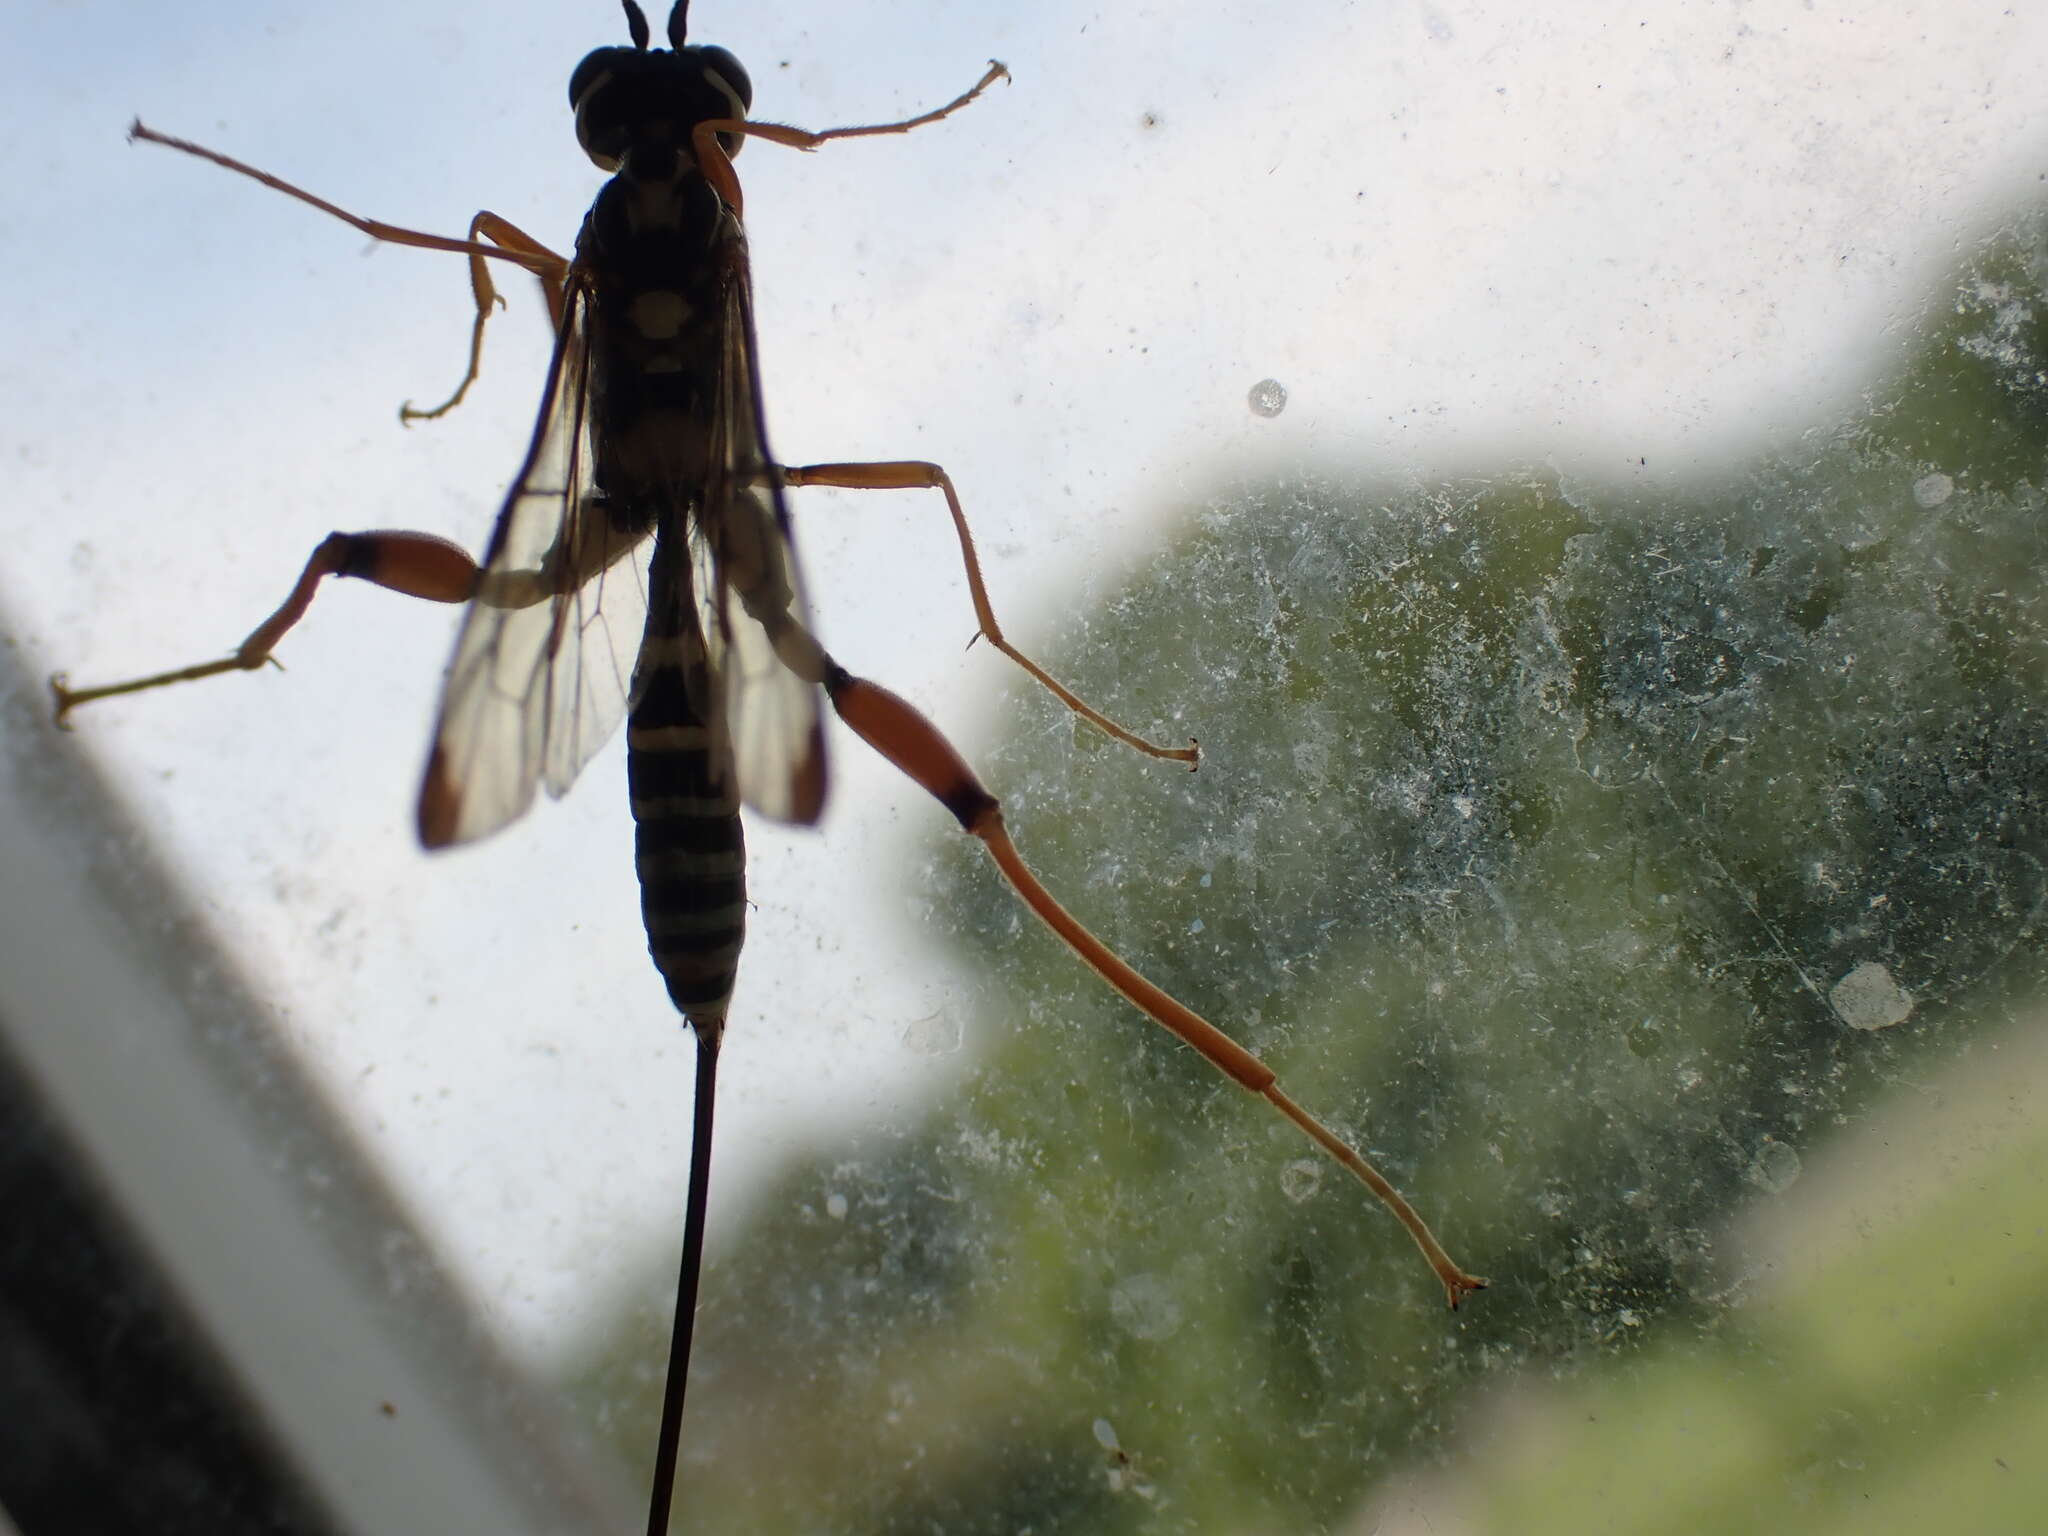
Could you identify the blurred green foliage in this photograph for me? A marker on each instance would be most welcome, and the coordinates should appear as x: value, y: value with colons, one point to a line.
x: 1593, y: 858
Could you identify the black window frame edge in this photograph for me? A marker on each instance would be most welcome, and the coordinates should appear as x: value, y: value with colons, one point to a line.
x: 308, y: 1307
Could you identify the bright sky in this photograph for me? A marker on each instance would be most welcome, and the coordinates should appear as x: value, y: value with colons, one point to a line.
x: 1621, y: 239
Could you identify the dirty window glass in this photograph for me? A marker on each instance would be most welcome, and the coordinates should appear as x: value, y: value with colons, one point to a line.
x: 1575, y: 473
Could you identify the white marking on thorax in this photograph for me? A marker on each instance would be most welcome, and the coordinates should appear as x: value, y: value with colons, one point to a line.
x: 659, y: 313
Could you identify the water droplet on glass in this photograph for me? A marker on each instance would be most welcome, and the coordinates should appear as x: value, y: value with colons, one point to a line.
x: 936, y: 1034
x: 1774, y: 1169
x: 1933, y: 490
x: 1299, y: 1180
x: 1144, y: 1307
x: 1268, y: 397
x: 1868, y: 998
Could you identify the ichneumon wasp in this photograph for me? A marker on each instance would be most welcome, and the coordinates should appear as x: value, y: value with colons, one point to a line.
x: 641, y: 568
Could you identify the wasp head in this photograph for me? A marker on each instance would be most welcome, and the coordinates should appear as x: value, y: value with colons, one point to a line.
x: 628, y: 97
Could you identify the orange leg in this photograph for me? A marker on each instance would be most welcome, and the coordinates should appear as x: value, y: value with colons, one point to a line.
x: 417, y: 564
x: 902, y: 735
x: 716, y: 165
x: 913, y: 474
x: 533, y: 258
x: 553, y: 281
x: 507, y: 242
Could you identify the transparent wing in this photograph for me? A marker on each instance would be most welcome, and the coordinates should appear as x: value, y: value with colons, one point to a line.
x: 543, y: 665
x: 764, y: 665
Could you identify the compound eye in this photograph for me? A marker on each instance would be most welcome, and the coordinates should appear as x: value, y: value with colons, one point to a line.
x: 593, y: 71
x: 730, y: 76
x: 727, y: 76
x: 603, y: 138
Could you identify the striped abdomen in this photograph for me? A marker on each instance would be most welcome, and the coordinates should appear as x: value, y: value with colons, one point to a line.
x: 687, y: 841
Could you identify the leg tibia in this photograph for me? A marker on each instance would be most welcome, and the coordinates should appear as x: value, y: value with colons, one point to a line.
x: 914, y: 474
x: 417, y: 564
